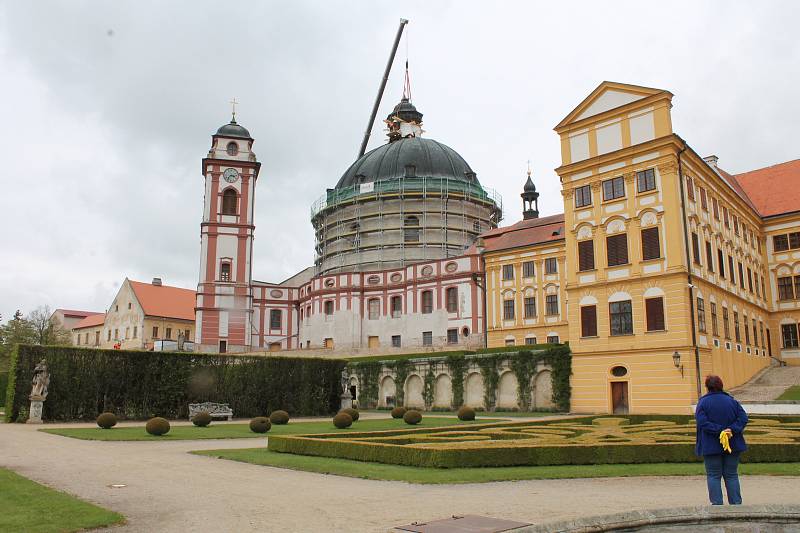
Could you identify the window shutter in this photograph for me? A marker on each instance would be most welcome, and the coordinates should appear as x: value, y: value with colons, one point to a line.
x: 586, y: 255
x: 617, y: 249
x: 655, y: 314
x: 651, y: 247
x: 589, y: 321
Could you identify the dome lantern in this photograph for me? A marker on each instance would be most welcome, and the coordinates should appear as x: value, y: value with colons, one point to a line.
x: 530, y: 199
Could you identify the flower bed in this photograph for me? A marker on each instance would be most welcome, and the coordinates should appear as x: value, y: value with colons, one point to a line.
x: 580, y: 441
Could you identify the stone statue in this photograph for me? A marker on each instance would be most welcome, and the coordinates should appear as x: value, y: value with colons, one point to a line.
x: 346, y: 397
x: 345, y: 381
x: 39, y: 384
x: 41, y: 380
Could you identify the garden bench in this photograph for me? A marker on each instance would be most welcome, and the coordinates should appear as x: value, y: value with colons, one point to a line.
x: 216, y: 410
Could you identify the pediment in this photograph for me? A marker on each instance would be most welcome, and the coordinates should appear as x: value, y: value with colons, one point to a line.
x: 607, y: 96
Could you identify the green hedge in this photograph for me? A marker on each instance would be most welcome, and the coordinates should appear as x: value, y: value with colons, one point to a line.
x: 138, y: 384
x: 3, y: 385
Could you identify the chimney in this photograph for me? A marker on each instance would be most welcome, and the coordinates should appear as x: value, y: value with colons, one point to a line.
x: 711, y: 160
x: 157, y: 282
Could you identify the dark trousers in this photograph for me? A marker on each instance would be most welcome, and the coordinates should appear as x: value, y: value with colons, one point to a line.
x: 723, y: 466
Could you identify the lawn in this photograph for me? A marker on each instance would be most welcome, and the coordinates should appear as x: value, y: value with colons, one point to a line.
x: 792, y: 393
x: 411, y: 474
x: 242, y: 431
x: 28, y: 506
x: 496, y: 414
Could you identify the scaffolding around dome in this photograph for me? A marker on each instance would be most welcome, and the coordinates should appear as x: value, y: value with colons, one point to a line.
x: 394, y: 222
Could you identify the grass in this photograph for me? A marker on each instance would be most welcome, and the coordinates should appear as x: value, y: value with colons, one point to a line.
x: 792, y: 393
x: 242, y: 431
x: 498, y: 414
x: 411, y: 474
x: 28, y: 506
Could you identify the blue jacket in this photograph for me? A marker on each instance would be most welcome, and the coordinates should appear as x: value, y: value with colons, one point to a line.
x: 715, y: 412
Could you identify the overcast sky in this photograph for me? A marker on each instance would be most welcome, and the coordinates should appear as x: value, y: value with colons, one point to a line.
x: 107, y: 109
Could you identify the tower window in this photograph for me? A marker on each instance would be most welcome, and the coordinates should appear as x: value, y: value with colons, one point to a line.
x: 452, y: 299
x: 411, y: 229
x: 225, y: 271
x: 275, y: 319
x: 229, y: 202
x: 232, y: 148
x: 427, y: 302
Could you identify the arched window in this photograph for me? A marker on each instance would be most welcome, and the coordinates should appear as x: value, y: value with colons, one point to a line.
x: 427, y: 302
x: 411, y: 229
x: 229, y: 202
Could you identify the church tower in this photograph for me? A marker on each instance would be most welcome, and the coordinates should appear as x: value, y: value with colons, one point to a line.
x: 224, y: 312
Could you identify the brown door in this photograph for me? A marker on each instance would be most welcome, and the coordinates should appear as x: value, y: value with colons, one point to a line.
x: 619, y: 397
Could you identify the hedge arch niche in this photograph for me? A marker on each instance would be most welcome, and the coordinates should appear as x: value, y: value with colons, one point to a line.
x: 543, y: 390
x: 443, y: 392
x: 414, y: 392
x: 507, y: 391
x: 473, y: 390
x: 387, y: 390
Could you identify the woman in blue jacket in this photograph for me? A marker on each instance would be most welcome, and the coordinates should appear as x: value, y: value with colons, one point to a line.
x: 716, y: 412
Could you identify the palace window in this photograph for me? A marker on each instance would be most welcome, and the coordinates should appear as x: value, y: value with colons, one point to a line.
x: 411, y: 229
x: 749, y: 279
x: 789, y: 334
x: 229, y: 202
x: 186, y: 335
x: 721, y: 262
x: 508, y: 309
x: 714, y: 324
x: 690, y: 188
x: 397, y: 306
x: 621, y: 318
x: 551, y: 265
x: 703, y: 199
x: 746, y: 332
x: 528, y: 269
x: 701, y: 315
x: 452, y: 299
x: 530, y: 341
x: 127, y: 333
x: 168, y: 334
x: 530, y: 307
x: 741, y: 275
x: 232, y: 148
x: 396, y: 343
x: 715, y: 203
x: 225, y: 271
x: 646, y: 180
x: 452, y: 336
x: 784, y: 242
x: 510, y: 342
x: 589, y: 321
x: 374, y: 308
x: 736, y: 224
x: 586, y: 255
x: 328, y: 307
x: 654, y: 309
x: 755, y: 333
x: 551, y: 304
x: 726, y: 322
x: 427, y: 302
x: 794, y: 240
x: 617, y: 249
x: 614, y: 188
x: 736, y: 331
x: 785, y: 291
x: 552, y: 339
x: 109, y: 334
x: 651, y: 246
x: 116, y: 334
x: 275, y: 319
x: 730, y: 269
x: 583, y: 196
x: 761, y: 330
x: 508, y: 272
x: 427, y: 338
x: 695, y: 248
x: 709, y: 257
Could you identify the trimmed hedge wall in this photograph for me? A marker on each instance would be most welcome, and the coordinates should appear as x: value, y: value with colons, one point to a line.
x: 139, y: 385
x: 3, y: 385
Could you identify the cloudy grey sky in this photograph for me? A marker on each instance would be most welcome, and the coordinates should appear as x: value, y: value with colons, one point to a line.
x: 107, y: 109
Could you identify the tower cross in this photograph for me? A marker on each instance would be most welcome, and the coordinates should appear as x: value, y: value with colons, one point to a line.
x: 233, y: 108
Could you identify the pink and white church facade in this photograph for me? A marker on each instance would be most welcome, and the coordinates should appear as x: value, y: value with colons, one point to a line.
x: 402, y: 273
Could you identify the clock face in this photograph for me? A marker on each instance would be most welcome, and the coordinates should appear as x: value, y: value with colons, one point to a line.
x: 230, y: 175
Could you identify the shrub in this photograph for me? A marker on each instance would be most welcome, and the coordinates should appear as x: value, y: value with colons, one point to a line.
x: 279, y: 417
x: 412, y: 417
x: 352, y: 412
x: 343, y: 420
x: 399, y: 412
x: 466, y: 413
x: 201, y: 419
x: 157, y: 426
x: 260, y: 424
x: 107, y: 420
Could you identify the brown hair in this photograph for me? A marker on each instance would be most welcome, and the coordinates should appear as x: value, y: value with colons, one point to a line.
x: 713, y: 383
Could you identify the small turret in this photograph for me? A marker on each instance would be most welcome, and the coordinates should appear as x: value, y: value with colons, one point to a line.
x: 530, y: 199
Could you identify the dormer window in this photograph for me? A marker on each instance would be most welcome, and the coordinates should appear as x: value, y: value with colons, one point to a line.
x: 232, y: 148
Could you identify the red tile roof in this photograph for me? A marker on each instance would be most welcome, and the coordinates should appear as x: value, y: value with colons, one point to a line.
x: 93, y: 320
x: 165, y: 301
x: 72, y: 313
x: 525, y: 233
x: 772, y: 190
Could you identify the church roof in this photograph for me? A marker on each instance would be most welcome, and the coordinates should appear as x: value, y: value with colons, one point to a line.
x: 165, y: 301
x: 233, y: 129
x: 431, y: 159
x: 773, y: 190
x: 93, y: 320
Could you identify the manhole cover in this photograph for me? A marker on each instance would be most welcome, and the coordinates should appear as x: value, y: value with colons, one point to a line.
x: 464, y: 524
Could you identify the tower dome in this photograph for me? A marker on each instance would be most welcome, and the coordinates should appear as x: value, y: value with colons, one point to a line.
x: 233, y: 129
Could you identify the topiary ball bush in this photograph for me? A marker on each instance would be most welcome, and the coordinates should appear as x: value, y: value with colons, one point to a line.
x: 260, y: 424
x: 201, y: 419
x: 399, y: 412
x: 107, y: 420
x: 343, y: 420
x: 466, y: 413
x: 157, y: 426
x: 352, y: 412
x: 279, y: 417
x: 412, y: 417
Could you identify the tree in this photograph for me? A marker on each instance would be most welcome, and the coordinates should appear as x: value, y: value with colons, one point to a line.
x: 48, y: 331
x: 17, y: 331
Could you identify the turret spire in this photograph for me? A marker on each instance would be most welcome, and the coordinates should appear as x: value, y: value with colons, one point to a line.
x: 530, y: 198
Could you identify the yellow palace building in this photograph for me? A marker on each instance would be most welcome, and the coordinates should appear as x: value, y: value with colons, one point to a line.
x: 663, y: 268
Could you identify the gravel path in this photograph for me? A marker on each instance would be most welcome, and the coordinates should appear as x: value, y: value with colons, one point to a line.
x: 170, y: 490
x: 769, y: 384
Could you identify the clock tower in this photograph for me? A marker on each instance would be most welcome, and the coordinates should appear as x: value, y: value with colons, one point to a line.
x: 224, y: 309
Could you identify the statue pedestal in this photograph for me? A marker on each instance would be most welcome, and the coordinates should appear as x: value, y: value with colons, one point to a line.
x: 35, y: 416
x: 346, y: 400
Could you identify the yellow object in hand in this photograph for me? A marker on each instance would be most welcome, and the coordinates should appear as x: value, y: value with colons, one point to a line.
x: 724, y: 439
